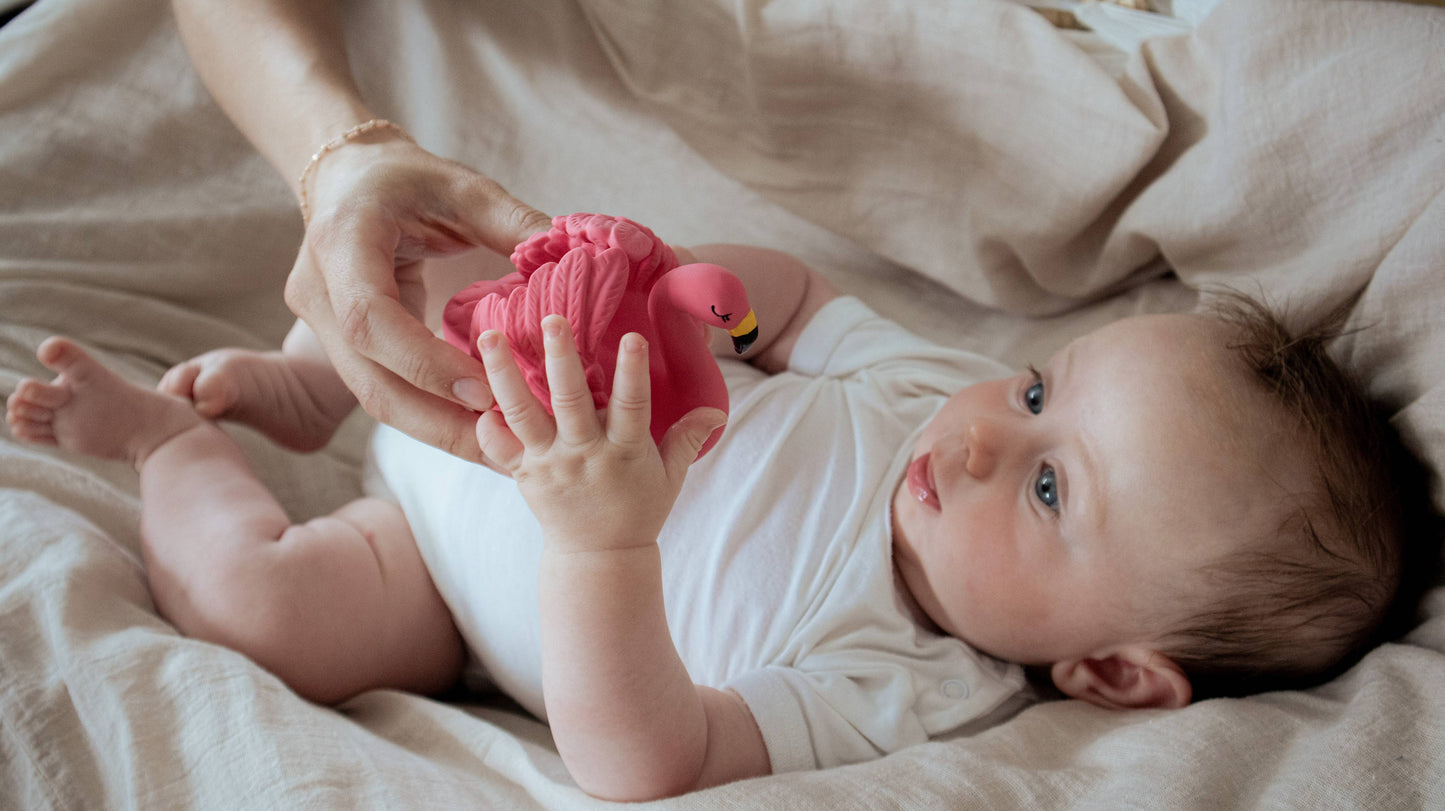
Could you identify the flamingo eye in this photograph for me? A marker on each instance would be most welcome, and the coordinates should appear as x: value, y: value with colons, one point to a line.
x: 723, y: 316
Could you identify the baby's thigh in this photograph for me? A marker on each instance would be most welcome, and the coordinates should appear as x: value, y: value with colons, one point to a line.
x: 382, y: 522
x: 363, y: 575
x: 411, y: 596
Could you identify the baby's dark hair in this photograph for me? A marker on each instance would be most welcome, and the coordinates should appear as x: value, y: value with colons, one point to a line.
x: 1303, y: 601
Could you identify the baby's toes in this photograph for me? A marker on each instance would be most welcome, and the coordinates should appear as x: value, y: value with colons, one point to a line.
x: 18, y: 410
x: 46, y: 395
x: 64, y: 356
x: 178, y: 380
x: 214, y: 392
x: 28, y: 420
x: 41, y: 433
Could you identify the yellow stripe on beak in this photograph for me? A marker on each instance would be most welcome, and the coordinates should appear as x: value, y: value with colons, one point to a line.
x: 745, y: 334
x: 750, y: 323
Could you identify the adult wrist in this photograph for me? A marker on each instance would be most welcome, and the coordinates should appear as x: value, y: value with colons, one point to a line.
x: 369, y: 131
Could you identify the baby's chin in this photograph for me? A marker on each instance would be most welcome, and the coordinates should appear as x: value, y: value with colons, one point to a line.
x: 910, y: 604
x: 905, y: 569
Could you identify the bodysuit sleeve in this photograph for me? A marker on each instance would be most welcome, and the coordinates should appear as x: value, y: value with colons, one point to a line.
x: 846, y: 337
x: 842, y: 707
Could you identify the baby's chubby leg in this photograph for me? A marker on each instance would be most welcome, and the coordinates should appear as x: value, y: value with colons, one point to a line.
x: 334, y: 606
x: 293, y: 396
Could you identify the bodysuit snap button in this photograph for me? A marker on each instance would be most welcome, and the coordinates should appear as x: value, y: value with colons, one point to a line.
x: 953, y: 688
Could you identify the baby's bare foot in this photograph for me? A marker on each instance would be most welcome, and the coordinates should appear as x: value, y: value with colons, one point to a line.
x: 91, y: 410
x: 294, y: 404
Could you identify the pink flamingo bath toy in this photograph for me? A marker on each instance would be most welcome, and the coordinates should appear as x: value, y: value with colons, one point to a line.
x: 610, y: 276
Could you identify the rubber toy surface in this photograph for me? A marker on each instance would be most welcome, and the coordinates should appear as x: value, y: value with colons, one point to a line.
x: 610, y: 276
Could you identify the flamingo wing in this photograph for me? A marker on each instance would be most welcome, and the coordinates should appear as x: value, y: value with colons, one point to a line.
x: 647, y: 256
x: 458, y: 312
x: 584, y: 288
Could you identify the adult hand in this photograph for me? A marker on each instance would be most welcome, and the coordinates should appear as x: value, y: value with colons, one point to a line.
x: 380, y: 205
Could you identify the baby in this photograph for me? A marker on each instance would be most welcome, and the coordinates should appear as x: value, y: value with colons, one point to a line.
x: 888, y: 533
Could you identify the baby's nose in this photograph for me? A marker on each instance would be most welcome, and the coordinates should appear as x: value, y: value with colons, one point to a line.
x: 982, y: 442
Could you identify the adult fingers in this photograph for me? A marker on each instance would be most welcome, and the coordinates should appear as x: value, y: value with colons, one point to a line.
x: 349, y: 280
x: 492, y: 216
x: 524, y: 415
x: 629, y: 410
x: 391, y: 400
x: 388, y: 398
x: 571, y: 397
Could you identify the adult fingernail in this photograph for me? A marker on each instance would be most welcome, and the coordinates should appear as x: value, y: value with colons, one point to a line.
x: 473, y: 393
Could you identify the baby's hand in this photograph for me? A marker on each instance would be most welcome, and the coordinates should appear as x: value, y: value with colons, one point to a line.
x: 595, y: 480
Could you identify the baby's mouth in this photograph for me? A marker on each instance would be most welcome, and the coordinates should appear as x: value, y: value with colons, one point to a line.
x: 920, y: 482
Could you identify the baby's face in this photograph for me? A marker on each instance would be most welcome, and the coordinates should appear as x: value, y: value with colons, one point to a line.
x: 1041, y: 515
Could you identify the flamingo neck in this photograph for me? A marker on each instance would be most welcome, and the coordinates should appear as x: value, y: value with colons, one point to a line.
x: 681, y: 343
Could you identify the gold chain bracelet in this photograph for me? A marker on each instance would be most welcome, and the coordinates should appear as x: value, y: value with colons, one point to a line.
x: 340, y: 140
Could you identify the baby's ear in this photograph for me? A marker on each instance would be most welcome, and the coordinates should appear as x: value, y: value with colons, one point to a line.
x: 1129, y: 677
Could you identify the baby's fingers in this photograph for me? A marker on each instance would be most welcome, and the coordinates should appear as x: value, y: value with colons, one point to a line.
x: 571, y: 396
x: 629, y: 410
x: 685, y: 438
x: 525, y: 416
x: 498, y: 443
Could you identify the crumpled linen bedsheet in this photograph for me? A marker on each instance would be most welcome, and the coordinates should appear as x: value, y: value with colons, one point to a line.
x: 962, y: 167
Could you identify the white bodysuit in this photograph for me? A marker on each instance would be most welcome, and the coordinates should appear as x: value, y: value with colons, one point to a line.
x: 777, y: 558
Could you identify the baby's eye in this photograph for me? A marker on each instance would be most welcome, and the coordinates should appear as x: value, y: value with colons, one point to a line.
x: 1034, y: 395
x: 1046, y: 487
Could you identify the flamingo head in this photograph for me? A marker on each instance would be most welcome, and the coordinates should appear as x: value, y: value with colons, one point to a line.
x: 714, y: 296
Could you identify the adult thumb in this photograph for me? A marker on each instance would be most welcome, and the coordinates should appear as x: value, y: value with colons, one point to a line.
x: 685, y: 438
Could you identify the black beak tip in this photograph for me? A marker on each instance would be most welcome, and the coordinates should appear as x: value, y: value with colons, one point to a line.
x: 742, y: 342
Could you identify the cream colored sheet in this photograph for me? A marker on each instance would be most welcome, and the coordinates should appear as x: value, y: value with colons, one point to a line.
x: 1297, y: 146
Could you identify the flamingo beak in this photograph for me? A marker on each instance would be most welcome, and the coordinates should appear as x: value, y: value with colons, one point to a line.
x: 745, y: 333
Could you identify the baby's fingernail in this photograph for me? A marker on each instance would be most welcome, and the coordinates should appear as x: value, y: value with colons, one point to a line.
x: 552, y: 326
x: 473, y: 393
x: 715, y: 418
x: 489, y: 340
x: 633, y: 342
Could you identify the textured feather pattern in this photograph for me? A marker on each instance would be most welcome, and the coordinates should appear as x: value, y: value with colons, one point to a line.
x: 608, y: 276
x: 457, y: 314
x: 584, y: 288
x: 647, y: 256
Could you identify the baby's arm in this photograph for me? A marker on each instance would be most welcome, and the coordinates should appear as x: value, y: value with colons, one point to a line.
x: 626, y: 716
x: 784, y: 292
